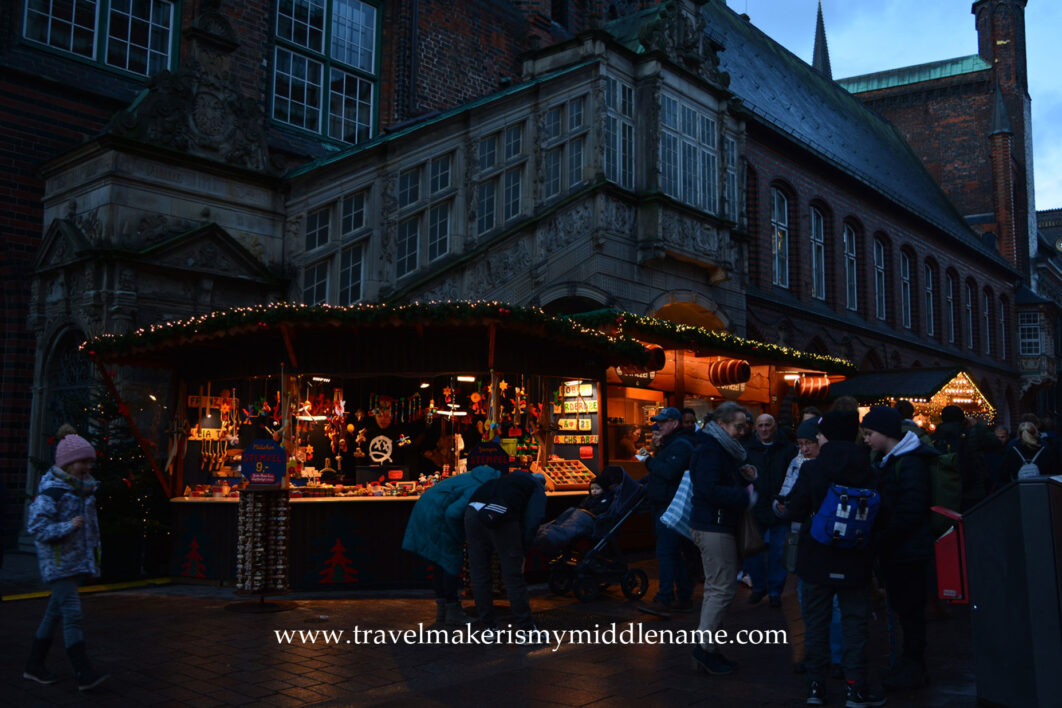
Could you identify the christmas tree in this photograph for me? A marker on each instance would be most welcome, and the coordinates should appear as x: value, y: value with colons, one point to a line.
x: 338, y: 568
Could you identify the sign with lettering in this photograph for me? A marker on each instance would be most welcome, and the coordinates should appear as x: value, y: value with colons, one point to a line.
x: 491, y: 455
x: 264, y: 462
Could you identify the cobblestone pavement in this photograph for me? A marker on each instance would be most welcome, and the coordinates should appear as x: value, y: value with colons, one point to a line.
x: 182, y: 645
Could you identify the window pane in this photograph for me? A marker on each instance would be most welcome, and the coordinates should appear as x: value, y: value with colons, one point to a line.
x: 354, y: 34
x: 440, y: 174
x: 302, y: 22
x: 317, y: 229
x: 552, y: 165
x: 350, y: 260
x: 69, y: 25
x: 297, y: 90
x: 485, y: 205
x: 575, y: 113
x: 350, y: 107
x: 486, y: 152
x: 406, y: 247
x: 409, y: 187
x: 513, y: 141
x: 513, y: 188
x: 353, y: 213
x: 551, y: 126
x: 438, y: 231
x: 315, y: 284
x: 575, y: 161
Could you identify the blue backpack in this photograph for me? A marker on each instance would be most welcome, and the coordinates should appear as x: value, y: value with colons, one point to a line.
x: 845, y: 517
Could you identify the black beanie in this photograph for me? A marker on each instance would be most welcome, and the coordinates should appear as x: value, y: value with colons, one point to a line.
x: 884, y: 420
x: 952, y: 414
x: 840, y: 425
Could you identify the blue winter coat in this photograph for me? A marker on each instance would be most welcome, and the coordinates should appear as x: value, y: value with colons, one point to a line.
x: 62, y: 550
x: 436, y: 529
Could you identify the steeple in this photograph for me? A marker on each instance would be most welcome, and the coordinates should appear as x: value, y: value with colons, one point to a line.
x: 820, y: 59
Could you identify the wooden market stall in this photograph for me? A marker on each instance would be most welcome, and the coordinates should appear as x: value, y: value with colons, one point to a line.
x: 709, y: 366
x: 390, y: 393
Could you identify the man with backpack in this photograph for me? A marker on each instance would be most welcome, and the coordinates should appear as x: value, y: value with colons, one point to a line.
x: 904, y: 541
x: 835, y: 556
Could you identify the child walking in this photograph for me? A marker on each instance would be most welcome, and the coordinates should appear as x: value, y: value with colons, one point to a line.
x: 63, y: 523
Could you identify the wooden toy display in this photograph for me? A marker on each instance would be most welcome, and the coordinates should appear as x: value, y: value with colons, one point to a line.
x: 262, y: 547
x: 566, y: 475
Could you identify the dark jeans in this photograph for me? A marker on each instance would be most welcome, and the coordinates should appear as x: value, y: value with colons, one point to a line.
x: 767, y: 569
x: 671, y: 546
x: 64, y: 606
x: 905, y: 588
x: 507, y: 540
x: 817, y: 608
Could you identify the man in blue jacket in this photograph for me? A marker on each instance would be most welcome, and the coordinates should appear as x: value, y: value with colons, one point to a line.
x: 503, y: 515
x: 666, y: 467
x: 770, y: 453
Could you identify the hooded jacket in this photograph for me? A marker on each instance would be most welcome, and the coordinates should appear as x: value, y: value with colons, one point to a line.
x: 904, y: 533
x: 436, y: 528
x: 839, y: 462
x: 62, y: 550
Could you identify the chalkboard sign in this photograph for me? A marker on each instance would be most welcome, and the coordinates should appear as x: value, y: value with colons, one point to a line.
x: 491, y: 455
x: 263, y: 463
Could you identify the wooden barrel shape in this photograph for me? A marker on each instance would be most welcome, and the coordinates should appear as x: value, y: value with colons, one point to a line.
x: 812, y: 388
x: 727, y: 372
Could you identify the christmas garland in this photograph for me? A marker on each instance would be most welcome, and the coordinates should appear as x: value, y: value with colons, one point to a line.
x: 683, y: 336
x: 265, y: 316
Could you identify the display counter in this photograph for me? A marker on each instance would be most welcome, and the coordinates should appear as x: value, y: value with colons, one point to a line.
x: 335, y: 542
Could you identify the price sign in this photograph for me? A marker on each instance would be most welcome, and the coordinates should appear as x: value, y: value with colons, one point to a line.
x: 491, y: 455
x: 264, y: 462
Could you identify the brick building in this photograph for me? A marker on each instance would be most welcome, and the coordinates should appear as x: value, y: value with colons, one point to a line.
x: 665, y: 159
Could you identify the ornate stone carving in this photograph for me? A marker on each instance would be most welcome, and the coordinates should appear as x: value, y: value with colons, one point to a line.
x: 678, y: 32
x: 446, y: 290
x: 565, y: 228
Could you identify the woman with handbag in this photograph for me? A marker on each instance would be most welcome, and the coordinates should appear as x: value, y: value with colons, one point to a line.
x: 722, y: 491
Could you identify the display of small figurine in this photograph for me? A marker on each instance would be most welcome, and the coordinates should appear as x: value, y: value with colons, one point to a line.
x: 328, y: 474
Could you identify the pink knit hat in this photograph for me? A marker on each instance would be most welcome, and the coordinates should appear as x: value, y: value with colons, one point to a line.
x: 73, y: 448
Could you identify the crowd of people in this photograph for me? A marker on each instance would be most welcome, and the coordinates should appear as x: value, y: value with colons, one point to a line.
x: 842, y: 502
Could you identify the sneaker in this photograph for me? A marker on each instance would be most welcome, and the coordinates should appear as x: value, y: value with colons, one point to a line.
x: 755, y: 596
x: 860, y: 696
x: 775, y: 601
x: 39, y: 674
x: 682, y: 606
x: 816, y: 694
x: 658, y: 608
x: 711, y: 662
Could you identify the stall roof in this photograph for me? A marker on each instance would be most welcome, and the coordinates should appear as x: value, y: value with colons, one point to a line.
x: 673, y: 335
x: 374, y: 339
x: 909, y: 383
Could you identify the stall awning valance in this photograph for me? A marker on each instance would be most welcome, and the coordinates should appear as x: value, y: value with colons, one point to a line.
x: 881, y: 385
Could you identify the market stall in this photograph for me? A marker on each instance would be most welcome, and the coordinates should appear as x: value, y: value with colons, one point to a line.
x: 704, y: 367
x: 929, y: 391
x: 367, y: 405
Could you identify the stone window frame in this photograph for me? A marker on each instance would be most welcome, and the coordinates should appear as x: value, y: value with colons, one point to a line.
x: 1030, y: 334
x: 351, y: 218
x: 330, y: 95
x: 499, y: 176
x: 692, y: 134
x: 432, y: 208
x: 564, y: 150
x: 92, y: 33
x: 618, y: 131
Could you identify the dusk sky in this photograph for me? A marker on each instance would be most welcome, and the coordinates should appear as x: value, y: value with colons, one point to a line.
x: 865, y: 37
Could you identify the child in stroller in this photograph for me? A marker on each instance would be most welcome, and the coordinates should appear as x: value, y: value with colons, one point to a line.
x: 613, y: 497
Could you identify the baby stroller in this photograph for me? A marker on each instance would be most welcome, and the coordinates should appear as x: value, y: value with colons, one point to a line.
x: 586, y: 556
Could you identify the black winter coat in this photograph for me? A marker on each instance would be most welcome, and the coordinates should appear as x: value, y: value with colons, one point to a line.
x: 904, y: 533
x: 839, y: 462
x: 667, y: 465
x: 771, y: 462
x: 719, y: 491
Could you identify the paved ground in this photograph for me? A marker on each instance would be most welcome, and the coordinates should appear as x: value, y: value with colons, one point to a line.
x: 182, y: 645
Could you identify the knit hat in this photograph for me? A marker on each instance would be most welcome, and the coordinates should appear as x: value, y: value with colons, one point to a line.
x: 952, y: 414
x: 884, y: 420
x: 809, y: 429
x: 839, y: 425
x: 72, y: 447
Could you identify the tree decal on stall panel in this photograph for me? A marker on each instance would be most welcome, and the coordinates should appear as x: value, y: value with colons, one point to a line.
x: 338, y: 568
x: 193, y: 562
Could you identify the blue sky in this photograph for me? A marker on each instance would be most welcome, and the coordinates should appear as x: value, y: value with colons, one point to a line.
x: 866, y: 36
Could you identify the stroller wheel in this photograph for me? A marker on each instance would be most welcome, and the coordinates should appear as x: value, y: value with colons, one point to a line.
x: 586, y: 588
x: 560, y: 579
x: 634, y: 584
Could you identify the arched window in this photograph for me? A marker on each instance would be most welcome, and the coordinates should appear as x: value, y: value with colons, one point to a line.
x: 880, y: 310
x: 929, y: 298
x: 905, y: 289
x: 851, y: 263
x: 780, y: 238
x: 818, y: 255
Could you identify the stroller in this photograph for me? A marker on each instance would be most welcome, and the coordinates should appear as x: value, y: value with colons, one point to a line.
x: 587, y: 571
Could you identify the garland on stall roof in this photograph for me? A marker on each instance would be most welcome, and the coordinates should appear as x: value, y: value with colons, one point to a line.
x: 660, y: 331
x: 265, y: 316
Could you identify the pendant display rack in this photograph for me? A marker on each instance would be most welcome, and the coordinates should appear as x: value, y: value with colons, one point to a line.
x: 262, y: 547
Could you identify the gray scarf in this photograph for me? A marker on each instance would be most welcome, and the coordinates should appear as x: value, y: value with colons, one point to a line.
x: 732, y: 446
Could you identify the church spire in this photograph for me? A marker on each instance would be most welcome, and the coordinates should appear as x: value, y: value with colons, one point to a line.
x: 821, y: 56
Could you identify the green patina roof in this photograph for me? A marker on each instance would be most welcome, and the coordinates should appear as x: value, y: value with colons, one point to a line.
x: 915, y: 74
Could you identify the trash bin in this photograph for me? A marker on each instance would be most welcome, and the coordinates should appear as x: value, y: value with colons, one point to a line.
x: 1014, y: 557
